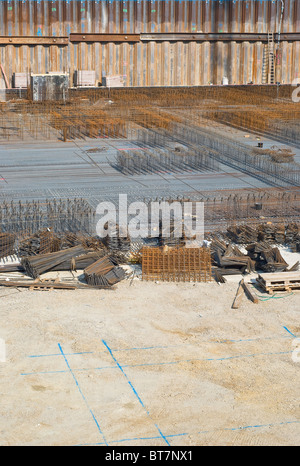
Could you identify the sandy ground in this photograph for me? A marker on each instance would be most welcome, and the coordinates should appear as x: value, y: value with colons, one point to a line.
x: 149, y: 364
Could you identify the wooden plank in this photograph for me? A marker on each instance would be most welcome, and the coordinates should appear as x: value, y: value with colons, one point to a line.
x: 40, y: 285
x: 280, y: 276
x: 5, y: 77
x: 239, y: 296
x: 294, y: 267
x: 249, y: 293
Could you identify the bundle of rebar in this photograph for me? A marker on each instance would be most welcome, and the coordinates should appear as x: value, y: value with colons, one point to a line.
x: 103, y: 273
x: 59, y: 216
x: 173, y: 235
x: 8, y: 268
x: 70, y: 240
x: 154, y: 160
x: 76, y: 263
x: 37, y: 265
x: 42, y: 242
x: 79, y: 263
x: 116, y: 240
x: 267, y: 233
x: 114, y: 276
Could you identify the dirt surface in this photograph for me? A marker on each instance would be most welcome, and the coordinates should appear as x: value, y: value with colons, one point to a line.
x: 149, y: 364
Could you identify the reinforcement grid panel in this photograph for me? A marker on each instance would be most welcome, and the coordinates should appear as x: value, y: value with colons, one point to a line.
x: 176, y: 264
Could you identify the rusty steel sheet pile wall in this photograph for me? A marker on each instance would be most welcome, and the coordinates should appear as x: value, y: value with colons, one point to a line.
x: 160, y: 42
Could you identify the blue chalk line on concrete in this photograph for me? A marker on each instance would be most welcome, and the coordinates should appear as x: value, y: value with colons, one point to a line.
x: 257, y: 426
x: 81, y: 393
x: 134, y: 390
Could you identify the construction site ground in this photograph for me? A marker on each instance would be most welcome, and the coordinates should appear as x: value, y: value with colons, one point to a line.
x: 152, y: 364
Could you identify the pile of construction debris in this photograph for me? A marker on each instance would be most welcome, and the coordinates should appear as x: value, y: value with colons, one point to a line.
x: 268, y: 259
x: 100, y: 270
x: 267, y: 232
x: 240, y: 250
x: 259, y: 256
x: 230, y: 260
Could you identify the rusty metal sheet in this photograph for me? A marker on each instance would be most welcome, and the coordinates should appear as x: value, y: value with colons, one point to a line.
x: 154, y: 63
x: 176, y: 42
x: 62, y: 17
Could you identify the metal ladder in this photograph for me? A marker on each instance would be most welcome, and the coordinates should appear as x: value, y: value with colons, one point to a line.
x: 268, y: 71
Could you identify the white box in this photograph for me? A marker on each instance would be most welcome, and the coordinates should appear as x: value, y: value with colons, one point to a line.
x: 85, y: 78
x: 20, y: 80
x: 113, y: 81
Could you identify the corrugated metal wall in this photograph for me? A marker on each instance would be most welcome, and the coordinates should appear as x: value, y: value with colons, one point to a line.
x: 152, y: 62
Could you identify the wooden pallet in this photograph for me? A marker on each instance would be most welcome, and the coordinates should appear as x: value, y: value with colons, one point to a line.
x: 286, y: 281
